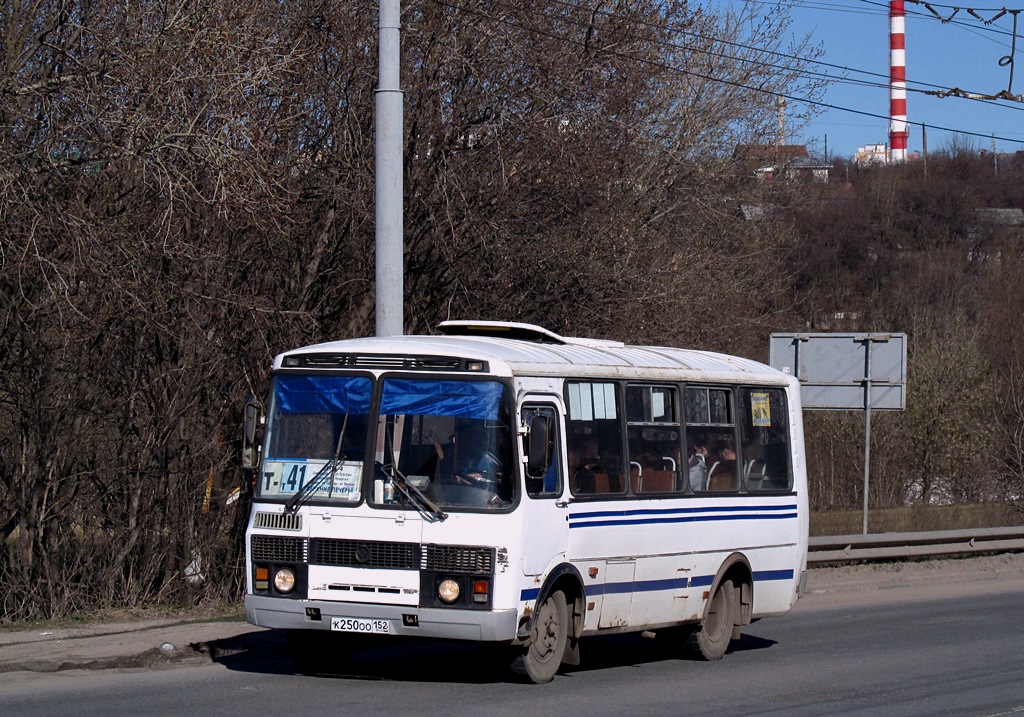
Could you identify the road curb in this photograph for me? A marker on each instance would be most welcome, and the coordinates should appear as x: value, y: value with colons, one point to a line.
x: 144, y: 647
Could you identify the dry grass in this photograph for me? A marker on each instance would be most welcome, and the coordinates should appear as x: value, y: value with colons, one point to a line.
x: 917, y: 519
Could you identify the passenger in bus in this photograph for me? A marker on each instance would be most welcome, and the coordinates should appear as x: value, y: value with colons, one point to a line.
x: 722, y: 475
x: 698, y: 465
x: 584, y: 462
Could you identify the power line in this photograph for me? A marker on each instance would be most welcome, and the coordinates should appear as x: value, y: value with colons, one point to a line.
x: 999, y: 11
x: 959, y: 23
x: 1007, y: 60
x: 811, y: 5
x: 942, y: 91
x: 732, y: 83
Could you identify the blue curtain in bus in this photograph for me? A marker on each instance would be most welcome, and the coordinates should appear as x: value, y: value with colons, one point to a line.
x: 462, y: 399
x: 322, y: 394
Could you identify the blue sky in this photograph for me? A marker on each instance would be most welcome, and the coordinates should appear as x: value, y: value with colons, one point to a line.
x: 963, y: 53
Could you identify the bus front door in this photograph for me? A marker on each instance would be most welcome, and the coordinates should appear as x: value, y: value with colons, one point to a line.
x: 545, y: 527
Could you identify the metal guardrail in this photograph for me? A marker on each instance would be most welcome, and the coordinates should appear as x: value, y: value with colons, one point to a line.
x: 896, y: 546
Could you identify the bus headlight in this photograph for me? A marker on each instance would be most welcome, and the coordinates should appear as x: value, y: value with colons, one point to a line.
x: 284, y: 580
x: 448, y: 591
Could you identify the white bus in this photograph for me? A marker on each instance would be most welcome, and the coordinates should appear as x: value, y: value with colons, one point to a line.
x: 502, y: 483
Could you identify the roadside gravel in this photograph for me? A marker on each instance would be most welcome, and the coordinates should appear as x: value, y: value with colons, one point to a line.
x: 922, y: 580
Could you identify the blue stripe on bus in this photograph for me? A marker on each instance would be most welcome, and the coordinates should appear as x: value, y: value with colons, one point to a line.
x: 642, y: 586
x: 672, y: 511
x: 679, y: 519
x: 702, y: 581
x: 765, y: 575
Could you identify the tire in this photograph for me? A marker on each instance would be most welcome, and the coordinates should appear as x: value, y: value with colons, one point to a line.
x: 712, y: 638
x: 543, y: 655
x: 317, y: 651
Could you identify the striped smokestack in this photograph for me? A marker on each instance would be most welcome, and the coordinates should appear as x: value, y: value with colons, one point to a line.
x: 897, y: 82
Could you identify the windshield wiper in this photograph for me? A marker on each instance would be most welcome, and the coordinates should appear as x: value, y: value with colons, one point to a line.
x: 427, y: 508
x: 324, y: 475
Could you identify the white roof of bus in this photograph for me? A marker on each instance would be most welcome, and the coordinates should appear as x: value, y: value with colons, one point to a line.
x: 544, y: 356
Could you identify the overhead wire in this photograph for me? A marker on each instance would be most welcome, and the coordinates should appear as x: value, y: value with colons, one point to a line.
x: 940, y: 90
x: 959, y: 23
x: 945, y: 91
x: 739, y: 85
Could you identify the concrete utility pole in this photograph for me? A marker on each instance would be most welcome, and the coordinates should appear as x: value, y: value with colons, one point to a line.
x: 388, y: 173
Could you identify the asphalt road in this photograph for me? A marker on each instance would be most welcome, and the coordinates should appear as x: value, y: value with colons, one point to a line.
x: 960, y: 655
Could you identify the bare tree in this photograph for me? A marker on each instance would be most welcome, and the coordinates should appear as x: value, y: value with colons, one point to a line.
x: 186, y: 190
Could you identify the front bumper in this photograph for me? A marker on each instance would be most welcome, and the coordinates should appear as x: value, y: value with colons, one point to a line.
x: 489, y: 626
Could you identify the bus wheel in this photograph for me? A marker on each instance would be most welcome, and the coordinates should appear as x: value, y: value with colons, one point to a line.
x: 543, y: 656
x: 712, y: 638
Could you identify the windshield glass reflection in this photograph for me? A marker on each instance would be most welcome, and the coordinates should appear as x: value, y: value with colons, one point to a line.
x: 314, y: 420
x: 450, y: 438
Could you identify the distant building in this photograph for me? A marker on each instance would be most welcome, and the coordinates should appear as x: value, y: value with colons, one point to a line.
x: 879, y: 154
x: 771, y: 162
x: 807, y: 169
x: 872, y: 154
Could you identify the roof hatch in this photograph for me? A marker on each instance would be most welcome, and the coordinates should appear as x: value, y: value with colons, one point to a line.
x: 517, y: 332
x: 500, y: 330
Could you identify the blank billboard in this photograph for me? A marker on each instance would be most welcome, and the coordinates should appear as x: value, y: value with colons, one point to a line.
x: 834, y: 368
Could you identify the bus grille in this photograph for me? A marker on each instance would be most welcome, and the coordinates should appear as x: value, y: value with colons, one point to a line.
x: 364, y: 554
x: 458, y: 559
x: 278, y: 521
x: 275, y: 549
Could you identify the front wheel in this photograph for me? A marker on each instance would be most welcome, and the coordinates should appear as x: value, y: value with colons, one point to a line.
x: 712, y: 638
x: 543, y: 655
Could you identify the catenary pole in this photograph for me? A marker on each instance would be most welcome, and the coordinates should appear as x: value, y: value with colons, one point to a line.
x: 388, y: 174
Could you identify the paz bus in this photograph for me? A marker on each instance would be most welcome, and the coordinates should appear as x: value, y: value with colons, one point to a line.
x: 498, y: 482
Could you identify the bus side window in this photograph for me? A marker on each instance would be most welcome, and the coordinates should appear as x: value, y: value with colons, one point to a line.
x: 594, y: 440
x: 712, y: 464
x: 764, y: 429
x: 550, y: 483
x: 655, y: 440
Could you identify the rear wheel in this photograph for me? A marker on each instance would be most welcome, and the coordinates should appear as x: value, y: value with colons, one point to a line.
x: 543, y: 655
x: 712, y: 638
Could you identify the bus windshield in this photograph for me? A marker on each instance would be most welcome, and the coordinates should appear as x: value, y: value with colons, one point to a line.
x: 316, y: 429
x: 450, y: 438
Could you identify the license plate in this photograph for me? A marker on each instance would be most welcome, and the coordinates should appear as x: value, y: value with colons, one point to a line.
x: 358, y: 624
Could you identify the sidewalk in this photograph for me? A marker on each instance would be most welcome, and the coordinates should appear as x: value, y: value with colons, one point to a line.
x: 141, y: 643
x: 154, y: 642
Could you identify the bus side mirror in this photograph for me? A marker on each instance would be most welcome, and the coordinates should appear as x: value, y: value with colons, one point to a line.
x: 250, y: 423
x: 538, y: 441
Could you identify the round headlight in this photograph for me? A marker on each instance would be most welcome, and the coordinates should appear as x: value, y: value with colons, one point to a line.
x: 284, y: 580
x: 448, y: 591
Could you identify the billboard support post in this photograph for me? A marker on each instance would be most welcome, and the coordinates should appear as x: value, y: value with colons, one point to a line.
x: 846, y: 372
x: 867, y: 433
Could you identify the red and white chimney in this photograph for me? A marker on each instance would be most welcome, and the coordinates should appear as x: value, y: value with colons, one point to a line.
x: 897, y: 82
